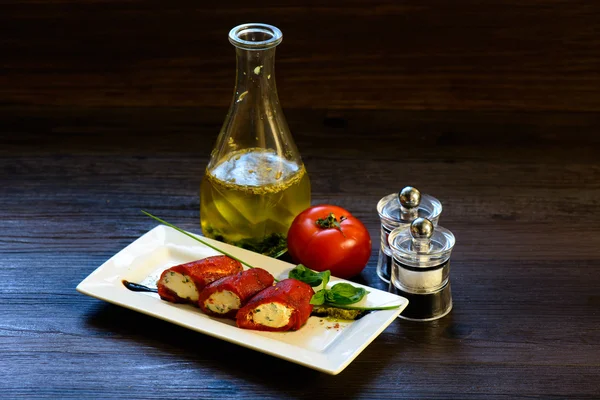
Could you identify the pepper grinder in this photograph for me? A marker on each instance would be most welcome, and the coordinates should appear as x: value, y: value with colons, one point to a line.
x: 398, y: 210
x: 421, y: 269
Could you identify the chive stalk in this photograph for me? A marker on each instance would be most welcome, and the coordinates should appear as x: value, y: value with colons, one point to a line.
x: 347, y: 307
x: 196, y: 238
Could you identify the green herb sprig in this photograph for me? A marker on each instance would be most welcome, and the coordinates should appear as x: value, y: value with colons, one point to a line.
x: 199, y: 240
x: 341, y: 295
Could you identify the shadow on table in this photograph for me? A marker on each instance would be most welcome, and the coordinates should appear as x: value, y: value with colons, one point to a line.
x: 232, y: 362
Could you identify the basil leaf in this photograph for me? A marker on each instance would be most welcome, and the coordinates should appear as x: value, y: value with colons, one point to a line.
x: 340, y: 293
x: 305, y: 275
x: 344, y: 293
x: 318, y: 298
x: 325, y: 275
x: 309, y: 276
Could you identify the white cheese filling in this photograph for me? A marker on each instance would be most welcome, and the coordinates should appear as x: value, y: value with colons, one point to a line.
x: 274, y: 315
x: 182, y: 285
x: 222, y: 302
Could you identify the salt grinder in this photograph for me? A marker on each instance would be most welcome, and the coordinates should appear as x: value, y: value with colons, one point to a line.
x: 399, y: 210
x: 421, y: 269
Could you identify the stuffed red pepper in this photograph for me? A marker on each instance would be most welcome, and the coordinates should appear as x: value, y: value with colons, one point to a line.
x: 283, y: 307
x: 224, y: 297
x: 183, y: 283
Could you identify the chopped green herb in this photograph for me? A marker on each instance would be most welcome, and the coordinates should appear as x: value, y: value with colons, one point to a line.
x: 334, y: 312
x: 272, y: 245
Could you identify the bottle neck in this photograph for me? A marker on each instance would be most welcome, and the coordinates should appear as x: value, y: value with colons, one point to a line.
x: 255, y: 121
x: 255, y: 78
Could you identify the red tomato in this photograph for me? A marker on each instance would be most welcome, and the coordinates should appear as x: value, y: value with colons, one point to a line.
x: 316, y: 240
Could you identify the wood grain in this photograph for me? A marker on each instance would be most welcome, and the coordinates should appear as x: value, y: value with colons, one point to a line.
x: 520, y: 192
x: 112, y: 106
x: 459, y: 55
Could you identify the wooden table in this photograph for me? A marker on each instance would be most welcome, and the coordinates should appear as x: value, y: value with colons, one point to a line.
x: 107, y: 108
x: 522, y: 200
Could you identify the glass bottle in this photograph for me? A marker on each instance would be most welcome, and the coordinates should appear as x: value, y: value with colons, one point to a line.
x: 255, y: 182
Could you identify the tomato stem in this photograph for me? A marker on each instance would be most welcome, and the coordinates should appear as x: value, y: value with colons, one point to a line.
x: 331, y: 222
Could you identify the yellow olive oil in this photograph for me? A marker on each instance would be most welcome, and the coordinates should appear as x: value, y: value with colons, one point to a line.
x: 251, y: 197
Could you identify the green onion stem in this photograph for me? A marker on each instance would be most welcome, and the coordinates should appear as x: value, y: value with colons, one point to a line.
x: 360, y: 308
x: 198, y: 239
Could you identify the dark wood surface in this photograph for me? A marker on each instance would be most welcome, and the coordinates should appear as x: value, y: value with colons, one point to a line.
x: 521, y: 199
x: 109, y: 107
x: 438, y: 54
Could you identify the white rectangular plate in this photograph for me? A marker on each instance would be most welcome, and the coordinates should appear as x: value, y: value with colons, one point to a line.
x: 320, y: 344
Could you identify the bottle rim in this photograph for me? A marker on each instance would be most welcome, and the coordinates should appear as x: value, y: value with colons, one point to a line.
x: 255, y: 36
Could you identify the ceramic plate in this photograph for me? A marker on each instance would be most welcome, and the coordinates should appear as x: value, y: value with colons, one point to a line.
x: 320, y: 344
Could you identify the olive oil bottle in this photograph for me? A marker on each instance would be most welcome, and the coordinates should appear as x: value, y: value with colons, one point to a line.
x: 255, y: 183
